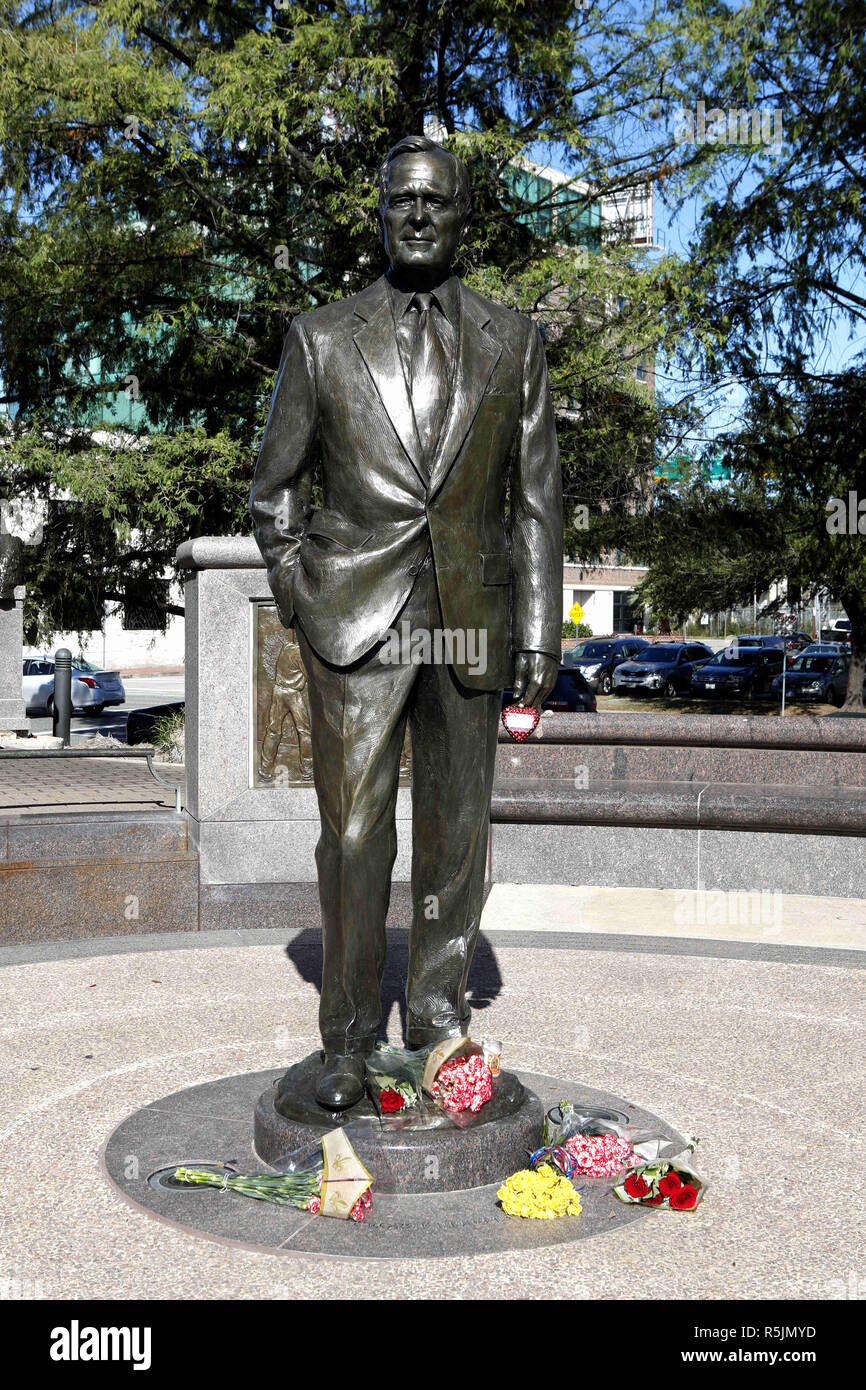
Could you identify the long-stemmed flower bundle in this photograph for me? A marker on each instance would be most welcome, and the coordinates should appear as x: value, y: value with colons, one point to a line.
x: 297, y: 1189
x: 329, y: 1180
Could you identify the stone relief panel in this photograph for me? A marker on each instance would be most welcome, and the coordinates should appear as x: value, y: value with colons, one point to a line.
x: 282, y: 753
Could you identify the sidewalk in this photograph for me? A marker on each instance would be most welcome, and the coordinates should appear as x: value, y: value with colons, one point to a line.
x: 781, y: 918
x: 76, y: 784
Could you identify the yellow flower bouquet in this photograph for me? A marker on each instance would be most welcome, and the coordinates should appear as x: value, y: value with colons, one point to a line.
x: 541, y: 1192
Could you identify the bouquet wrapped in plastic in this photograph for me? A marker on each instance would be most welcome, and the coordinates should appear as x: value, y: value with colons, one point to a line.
x: 394, y: 1085
x: 448, y: 1079
x: 581, y: 1144
x: 670, y: 1182
x: 329, y: 1180
x: 648, y: 1167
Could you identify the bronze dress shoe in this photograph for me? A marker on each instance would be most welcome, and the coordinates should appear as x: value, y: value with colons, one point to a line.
x: 342, y: 1081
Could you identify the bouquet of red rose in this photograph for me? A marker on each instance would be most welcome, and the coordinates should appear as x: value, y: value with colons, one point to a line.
x: 671, y: 1183
x: 393, y: 1085
x: 329, y: 1180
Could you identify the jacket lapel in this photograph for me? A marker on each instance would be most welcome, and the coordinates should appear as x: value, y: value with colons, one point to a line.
x: 377, y: 343
x: 477, y: 355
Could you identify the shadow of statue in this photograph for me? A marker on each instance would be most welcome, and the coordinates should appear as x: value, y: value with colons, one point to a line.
x: 485, y: 979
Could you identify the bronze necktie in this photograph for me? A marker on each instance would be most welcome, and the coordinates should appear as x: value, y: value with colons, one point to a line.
x: 429, y: 374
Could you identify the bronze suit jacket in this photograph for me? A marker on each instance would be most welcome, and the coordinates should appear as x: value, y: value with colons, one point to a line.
x: 491, y: 507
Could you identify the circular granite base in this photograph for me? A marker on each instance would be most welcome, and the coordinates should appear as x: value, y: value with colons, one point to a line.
x: 212, y: 1125
x: 407, y: 1154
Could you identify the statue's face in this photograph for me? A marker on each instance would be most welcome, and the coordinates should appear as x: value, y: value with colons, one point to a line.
x: 421, y: 222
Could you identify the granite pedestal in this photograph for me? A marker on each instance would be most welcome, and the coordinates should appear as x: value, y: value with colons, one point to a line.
x: 212, y: 1124
x: 406, y: 1152
x: 260, y: 834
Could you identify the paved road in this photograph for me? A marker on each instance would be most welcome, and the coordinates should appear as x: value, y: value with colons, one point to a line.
x: 141, y: 693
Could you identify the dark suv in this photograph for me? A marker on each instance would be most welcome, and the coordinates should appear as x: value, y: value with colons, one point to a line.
x: 661, y: 668
x: 815, y: 677
x: 742, y: 671
x: 599, y: 658
x: 570, y: 695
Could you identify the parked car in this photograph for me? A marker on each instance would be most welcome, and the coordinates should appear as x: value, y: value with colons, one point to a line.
x: 92, y: 688
x: 839, y: 631
x: 570, y: 695
x: 742, y: 671
x: 141, y: 723
x: 775, y: 639
x: 663, y: 668
x: 574, y: 653
x: 797, y: 641
x: 600, y: 657
x: 815, y: 677
x: 826, y: 649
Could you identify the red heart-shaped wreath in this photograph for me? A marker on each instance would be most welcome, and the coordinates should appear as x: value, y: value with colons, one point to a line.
x: 520, y: 721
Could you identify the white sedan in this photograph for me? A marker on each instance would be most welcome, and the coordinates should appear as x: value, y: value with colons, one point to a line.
x: 92, y: 688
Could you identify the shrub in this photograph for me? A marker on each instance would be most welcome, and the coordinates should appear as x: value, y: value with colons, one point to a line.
x: 168, y: 736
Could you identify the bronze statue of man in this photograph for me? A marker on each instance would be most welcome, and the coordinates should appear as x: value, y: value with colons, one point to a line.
x: 427, y: 410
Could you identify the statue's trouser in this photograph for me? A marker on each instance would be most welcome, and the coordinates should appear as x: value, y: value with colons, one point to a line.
x: 358, y: 717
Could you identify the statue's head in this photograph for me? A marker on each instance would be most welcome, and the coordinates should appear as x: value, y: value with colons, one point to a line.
x: 424, y: 201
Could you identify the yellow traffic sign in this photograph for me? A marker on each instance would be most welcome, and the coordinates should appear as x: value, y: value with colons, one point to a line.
x: 575, y: 612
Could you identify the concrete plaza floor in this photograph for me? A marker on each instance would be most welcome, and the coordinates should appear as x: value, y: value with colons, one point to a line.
x: 754, y: 1045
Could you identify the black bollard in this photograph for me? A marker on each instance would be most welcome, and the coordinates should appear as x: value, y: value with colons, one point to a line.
x: 62, y: 694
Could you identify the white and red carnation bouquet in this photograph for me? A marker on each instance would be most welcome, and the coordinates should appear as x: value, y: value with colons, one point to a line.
x: 599, y: 1155
x: 581, y: 1145
x: 463, y: 1083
